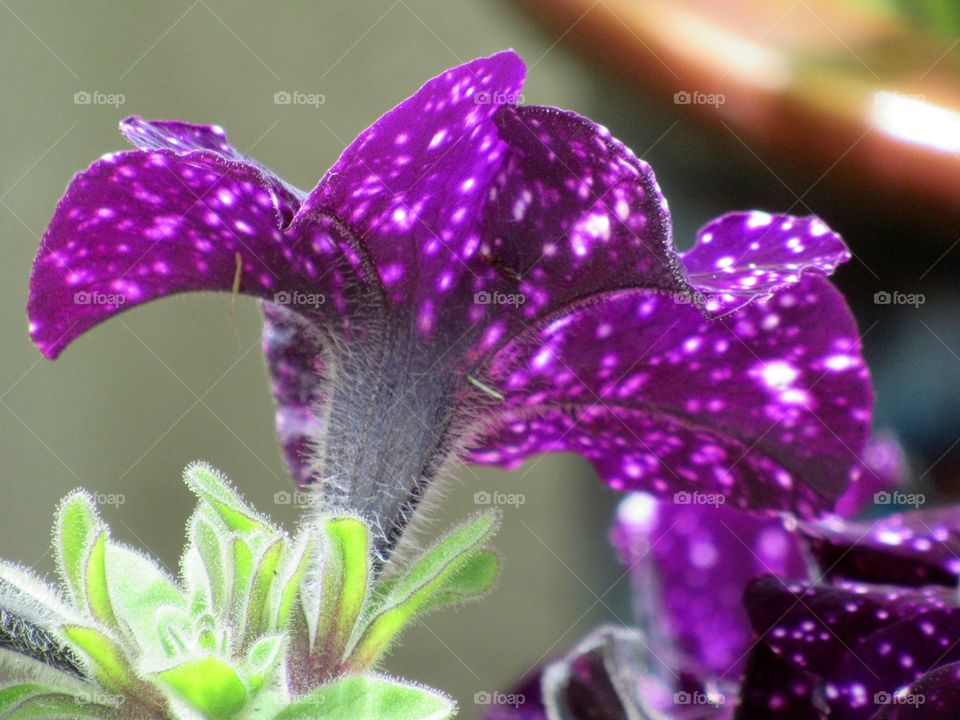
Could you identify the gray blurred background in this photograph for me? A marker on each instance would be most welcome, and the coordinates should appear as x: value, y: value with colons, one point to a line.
x: 129, y: 405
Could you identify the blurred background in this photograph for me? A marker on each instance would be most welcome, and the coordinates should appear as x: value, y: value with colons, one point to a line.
x: 843, y: 108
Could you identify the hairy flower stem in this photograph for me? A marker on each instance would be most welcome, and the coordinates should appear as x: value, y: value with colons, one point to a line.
x: 390, y: 426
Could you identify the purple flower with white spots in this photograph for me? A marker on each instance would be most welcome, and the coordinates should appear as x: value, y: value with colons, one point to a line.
x: 486, y: 280
x: 690, y: 564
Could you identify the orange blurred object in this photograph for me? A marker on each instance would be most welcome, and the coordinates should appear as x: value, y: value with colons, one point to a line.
x: 840, y: 87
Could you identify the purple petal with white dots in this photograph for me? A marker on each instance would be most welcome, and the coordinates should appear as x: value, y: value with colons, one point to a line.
x: 572, y: 213
x: 765, y: 408
x: 293, y: 358
x: 911, y: 549
x: 814, y: 627
x: 182, y: 137
x: 413, y: 187
x: 690, y: 564
x: 743, y: 256
x: 140, y: 225
x: 773, y: 689
x: 884, y: 662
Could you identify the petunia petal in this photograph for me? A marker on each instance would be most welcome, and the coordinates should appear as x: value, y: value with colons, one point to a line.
x: 140, y: 225
x: 690, y: 564
x: 182, y: 137
x: 910, y: 549
x: 773, y: 689
x: 177, y: 135
x: 296, y: 368
x: 815, y: 627
x: 573, y: 213
x: 743, y: 256
x: 765, y: 408
x: 892, y: 658
x: 412, y: 186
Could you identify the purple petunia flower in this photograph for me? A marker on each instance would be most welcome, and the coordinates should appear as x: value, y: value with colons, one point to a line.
x: 472, y: 277
x: 690, y: 564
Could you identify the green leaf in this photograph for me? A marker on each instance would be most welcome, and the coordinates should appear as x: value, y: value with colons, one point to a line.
x: 258, y: 605
x: 345, y: 575
x: 475, y: 578
x: 77, y: 526
x: 95, y: 582
x: 213, y: 489
x: 242, y: 571
x: 212, y: 553
x: 440, y: 571
x: 209, y: 685
x: 262, y: 661
x: 24, y: 593
x: 143, y: 596
x: 13, y: 696
x: 368, y: 697
x: 110, y: 664
x: 20, y: 702
x: 296, y: 567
